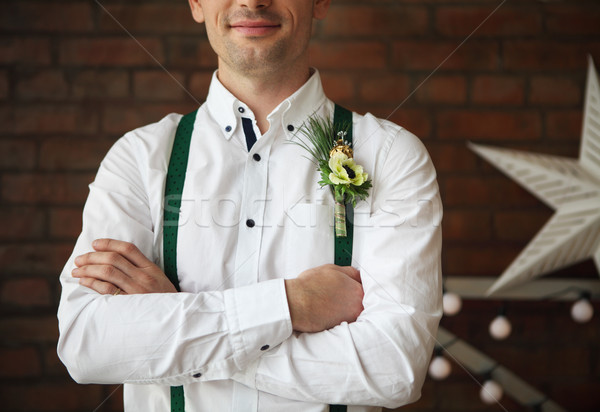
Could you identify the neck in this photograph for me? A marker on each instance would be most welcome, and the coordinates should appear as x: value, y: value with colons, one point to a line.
x: 263, y: 93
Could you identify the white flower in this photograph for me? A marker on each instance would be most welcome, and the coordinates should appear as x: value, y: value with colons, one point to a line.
x: 344, y: 171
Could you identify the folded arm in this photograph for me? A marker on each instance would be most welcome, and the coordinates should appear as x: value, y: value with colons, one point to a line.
x: 382, y: 358
x: 165, y: 338
x: 246, y: 333
x: 148, y: 333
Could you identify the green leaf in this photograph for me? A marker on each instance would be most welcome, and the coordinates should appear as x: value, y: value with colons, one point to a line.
x: 319, y: 136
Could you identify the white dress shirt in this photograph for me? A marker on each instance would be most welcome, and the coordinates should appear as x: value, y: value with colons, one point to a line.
x: 227, y: 337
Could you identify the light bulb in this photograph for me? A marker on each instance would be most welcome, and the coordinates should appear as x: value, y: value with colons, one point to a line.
x: 491, y: 392
x: 582, y: 311
x: 500, y: 328
x: 439, y: 368
x: 452, y: 303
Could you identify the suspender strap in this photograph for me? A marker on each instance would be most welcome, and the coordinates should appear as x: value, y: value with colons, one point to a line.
x: 173, y: 191
x: 177, y: 399
x: 342, y: 120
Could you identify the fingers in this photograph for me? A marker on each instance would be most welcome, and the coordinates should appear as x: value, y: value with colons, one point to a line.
x: 104, y: 288
x: 118, y: 264
x: 126, y: 249
x: 102, y: 273
x: 107, y: 259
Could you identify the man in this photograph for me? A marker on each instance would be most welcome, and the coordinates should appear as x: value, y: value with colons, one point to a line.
x: 264, y: 320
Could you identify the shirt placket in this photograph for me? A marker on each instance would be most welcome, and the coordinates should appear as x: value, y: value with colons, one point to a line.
x: 252, y: 211
x: 250, y: 232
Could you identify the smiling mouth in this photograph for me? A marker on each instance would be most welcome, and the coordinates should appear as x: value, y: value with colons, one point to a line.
x: 255, y: 28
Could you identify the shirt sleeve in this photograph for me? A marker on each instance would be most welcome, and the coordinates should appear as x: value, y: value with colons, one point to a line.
x: 382, y: 358
x: 169, y: 339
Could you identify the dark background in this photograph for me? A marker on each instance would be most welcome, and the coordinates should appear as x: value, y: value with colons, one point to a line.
x: 72, y: 81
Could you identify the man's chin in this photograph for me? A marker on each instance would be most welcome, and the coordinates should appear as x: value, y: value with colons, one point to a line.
x: 258, y: 58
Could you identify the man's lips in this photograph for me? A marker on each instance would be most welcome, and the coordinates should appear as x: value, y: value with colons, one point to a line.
x: 254, y: 27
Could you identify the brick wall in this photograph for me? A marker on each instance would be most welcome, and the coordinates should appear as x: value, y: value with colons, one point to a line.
x: 72, y: 81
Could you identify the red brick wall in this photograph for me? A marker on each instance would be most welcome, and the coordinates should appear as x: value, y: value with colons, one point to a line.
x: 72, y: 81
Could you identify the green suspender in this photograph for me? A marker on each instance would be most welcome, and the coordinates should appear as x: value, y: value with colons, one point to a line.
x: 343, y: 245
x: 173, y: 190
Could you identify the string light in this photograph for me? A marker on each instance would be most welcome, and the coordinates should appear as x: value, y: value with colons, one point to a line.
x: 452, y: 303
x: 582, y: 310
x: 500, y: 328
x: 440, y: 367
x: 491, y: 392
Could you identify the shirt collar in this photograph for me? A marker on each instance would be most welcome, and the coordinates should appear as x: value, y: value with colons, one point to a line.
x: 292, y: 112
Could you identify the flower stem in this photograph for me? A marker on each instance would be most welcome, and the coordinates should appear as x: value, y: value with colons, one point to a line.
x: 340, y: 219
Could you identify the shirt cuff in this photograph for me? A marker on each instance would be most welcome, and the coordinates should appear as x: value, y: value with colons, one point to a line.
x: 259, y: 318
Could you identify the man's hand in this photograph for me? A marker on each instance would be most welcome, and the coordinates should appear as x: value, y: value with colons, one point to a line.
x: 323, y: 297
x: 120, y: 265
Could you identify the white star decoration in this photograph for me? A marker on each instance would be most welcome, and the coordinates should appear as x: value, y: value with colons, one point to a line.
x: 569, y: 186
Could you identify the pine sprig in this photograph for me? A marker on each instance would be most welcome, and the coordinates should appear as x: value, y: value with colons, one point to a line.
x: 320, y: 136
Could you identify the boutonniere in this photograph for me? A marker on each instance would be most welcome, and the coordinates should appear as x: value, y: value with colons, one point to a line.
x: 333, y: 156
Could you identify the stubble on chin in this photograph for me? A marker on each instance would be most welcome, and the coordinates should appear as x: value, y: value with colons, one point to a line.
x: 256, y: 59
x: 256, y: 56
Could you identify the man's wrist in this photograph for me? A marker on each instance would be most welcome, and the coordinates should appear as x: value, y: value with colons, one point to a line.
x: 293, y: 293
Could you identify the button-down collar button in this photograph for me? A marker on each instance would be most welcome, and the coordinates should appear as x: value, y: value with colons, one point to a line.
x: 256, y: 157
x: 265, y: 347
x: 241, y: 109
x: 290, y: 127
x: 197, y: 375
x: 228, y: 129
x: 250, y: 223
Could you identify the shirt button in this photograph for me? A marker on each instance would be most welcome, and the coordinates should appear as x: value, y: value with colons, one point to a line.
x: 241, y: 109
x: 197, y: 375
x: 290, y: 127
x: 265, y: 347
x: 228, y: 129
x: 256, y: 157
x: 250, y: 223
